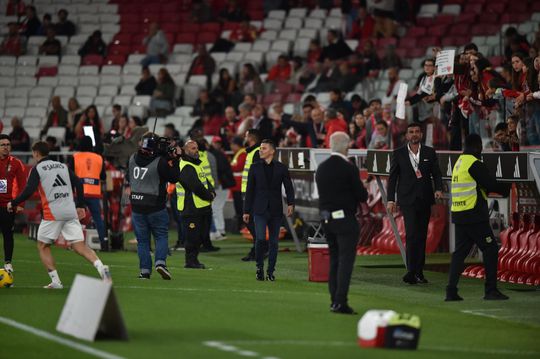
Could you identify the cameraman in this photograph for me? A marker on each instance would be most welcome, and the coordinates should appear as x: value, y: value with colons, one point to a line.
x: 149, y: 170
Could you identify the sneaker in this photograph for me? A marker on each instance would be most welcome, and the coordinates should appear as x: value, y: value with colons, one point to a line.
x: 270, y: 277
x: 216, y: 236
x: 259, y: 275
x: 179, y: 247
x: 105, y: 274
x: 54, y: 285
x: 9, y: 267
x: 342, y: 309
x: 165, y: 274
x: 495, y: 295
x: 144, y: 275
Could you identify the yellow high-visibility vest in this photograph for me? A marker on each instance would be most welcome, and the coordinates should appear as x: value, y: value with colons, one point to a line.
x: 464, y: 193
x: 181, y: 191
x: 203, y: 156
x: 245, y: 172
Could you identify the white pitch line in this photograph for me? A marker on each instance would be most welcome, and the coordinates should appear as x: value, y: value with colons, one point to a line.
x: 54, y: 338
x: 312, y: 343
x: 227, y: 347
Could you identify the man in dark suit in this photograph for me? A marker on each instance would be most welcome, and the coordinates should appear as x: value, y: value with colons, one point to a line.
x: 263, y: 200
x: 340, y: 193
x: 413, y: 170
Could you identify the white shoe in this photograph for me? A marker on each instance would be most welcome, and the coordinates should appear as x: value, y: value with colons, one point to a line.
x: 54, y: 285
x: 9, y: 267
x: 216, y: 236
x: 105, y: 274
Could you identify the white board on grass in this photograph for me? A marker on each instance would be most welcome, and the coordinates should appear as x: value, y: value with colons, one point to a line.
x: 91, y: 311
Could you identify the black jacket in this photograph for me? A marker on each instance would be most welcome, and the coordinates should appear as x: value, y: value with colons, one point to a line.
x: 263, y: 197
x: 409, y: 188
x: 225, y: 173
x: 339, y: 186
x: 480, y: 212
x: 191, y: 183
x: 168, y: 172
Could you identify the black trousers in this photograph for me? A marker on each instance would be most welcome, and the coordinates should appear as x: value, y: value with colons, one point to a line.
x: 342, y: 238
x: 416, y: 225
x: 195, y: 228
x: 7, y: 221
x: 206, y: 242
x: 481, y: 235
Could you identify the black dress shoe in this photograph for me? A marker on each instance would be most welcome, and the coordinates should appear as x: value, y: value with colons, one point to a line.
x: 342, y: 309
x: 194, y: 266
x: 270, y: 277
x: 209, y: 249
x: 144, y: 275
x: 452, y: 295
x: 495, y: 295
x: 259, y: 275
x: 410, y: 278
x: 421, y: 279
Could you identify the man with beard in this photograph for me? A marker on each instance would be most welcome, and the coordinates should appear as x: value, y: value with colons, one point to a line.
x: 412, y: 170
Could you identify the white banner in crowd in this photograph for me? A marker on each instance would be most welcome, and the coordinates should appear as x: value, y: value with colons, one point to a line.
x: 400, y: 100
x: 445, y: 62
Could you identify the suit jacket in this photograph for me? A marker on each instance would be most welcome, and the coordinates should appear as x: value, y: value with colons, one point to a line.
x: 402, y: 175
x: 339, y: 185
x: 263, y: 197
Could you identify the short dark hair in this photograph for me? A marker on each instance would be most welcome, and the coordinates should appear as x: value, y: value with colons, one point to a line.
x: 252, y: 96
x: 41, y: 147
x: 336, y: 91
x: 374, y: 100
x: 430, y: 59
x: 269, y: 142
x: 3, y: 136
x: 470, y: 46
x: 414, y: 124
x: 382, y: 122
x: 255, y: 133
x: 237, y: 140
x: 117, y: 107
x: 502, y: 126
x: 86, y: 144
x: 473, y: 144
x: 307, y: 104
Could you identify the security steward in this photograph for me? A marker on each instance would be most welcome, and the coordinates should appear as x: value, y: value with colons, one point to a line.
x: 90, y: 168
x: 149, y: 171
x: 253, y: 145
x: 340, y: 194
x: 471, y: 182
x: 198, y: 137
x: 195, y: 194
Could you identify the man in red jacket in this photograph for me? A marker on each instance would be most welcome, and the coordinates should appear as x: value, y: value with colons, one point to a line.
x: 11, y: 172
x: 237, y: 165
x: 333, y: 122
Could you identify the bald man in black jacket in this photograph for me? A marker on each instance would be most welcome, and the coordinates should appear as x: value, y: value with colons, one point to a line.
x: 340, y: 193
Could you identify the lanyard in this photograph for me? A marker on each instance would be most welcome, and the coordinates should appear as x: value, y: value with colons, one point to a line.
x: 415, y: 157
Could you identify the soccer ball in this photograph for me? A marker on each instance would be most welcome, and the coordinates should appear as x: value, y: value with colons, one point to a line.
x: 6, y: 278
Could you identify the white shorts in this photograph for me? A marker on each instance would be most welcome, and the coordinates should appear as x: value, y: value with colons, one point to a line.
x: 49, y: 231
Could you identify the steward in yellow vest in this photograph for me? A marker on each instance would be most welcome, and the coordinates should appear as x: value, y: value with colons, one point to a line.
x: 195, y: 195
x: 471, y: 182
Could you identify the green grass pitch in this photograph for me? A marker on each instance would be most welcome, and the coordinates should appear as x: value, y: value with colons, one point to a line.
x: 289, y: 318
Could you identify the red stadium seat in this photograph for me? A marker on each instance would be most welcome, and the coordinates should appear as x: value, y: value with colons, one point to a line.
x: 383, y: 43
x: 96, y: 60
x: 230, y: 25
x: 407, y: 43
x: 428, y: 41
x: 211, y: 27
x: 497, y: 8
x: 473, y: 8
x: 138, y: 49
x: 149, y: 18
x: 443, y: 19
x: 122, y: 38
x: 416, y: 31
x: 439, y: 30
x: 190, y: 27
x: 466, y: 18
x: 185, y: 38
x: 119, y: 49
x: 115, y: 60
x: 207, y: 37
x: 271, y: 98
x: 170, y: 27
x: 460, y: 30
x: 484, y: 29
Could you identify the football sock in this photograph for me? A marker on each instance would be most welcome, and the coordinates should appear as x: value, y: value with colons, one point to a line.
x: 54, y: 276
